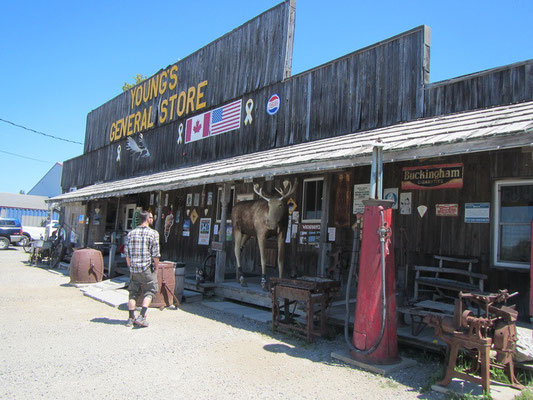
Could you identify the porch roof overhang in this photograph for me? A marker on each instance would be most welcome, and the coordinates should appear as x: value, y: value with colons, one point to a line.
x: 466, y: 132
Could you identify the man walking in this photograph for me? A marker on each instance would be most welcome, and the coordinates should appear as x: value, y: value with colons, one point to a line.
x: 142, y: 248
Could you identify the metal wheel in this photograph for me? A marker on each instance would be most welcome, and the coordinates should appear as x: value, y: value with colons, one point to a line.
x: 26, y: 244
x: 4, y: 243
x: 57, y: 254
x: 209, y: 266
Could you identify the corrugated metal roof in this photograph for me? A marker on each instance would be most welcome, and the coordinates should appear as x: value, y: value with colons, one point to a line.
x: 25, y: 201
x: 473, y: 131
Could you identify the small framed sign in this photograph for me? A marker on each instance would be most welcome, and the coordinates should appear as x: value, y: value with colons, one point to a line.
x: 447, y: 210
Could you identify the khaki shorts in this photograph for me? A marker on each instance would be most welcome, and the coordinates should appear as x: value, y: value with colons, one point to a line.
x: 146, y: 282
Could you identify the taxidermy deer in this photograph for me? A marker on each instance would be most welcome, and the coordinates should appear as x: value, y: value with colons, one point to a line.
x: 262, y: 218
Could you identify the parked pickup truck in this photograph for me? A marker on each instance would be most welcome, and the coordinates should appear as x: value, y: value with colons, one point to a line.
x: 10, y: 232
x: 38, y: 232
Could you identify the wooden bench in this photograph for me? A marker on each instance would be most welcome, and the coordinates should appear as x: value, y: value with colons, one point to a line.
x: 437, y: 280
x: 435, y: 288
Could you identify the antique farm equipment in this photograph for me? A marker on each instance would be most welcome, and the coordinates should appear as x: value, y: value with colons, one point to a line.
x: 315, y: 293
x: 166, y: 281
x: 492, y: 328
x: 374, y: 333
x: 261, y: 218
x: 206, y: 273
x: 86, y: 266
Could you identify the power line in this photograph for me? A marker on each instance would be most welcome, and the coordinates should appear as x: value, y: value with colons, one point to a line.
x: 29, y: 158
x: 40, y: 133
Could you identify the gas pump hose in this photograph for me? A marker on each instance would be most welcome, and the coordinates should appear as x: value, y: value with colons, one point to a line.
x: 382, y: 232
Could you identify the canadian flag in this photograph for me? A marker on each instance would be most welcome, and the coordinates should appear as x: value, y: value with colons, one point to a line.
x: 197, y: 127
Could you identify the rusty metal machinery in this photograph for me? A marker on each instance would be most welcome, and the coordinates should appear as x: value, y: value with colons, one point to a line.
x: 491, y: 328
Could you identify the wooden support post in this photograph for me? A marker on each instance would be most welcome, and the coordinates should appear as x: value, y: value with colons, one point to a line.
x: 324, y: 246
x: 87, y: 224
x: 220, y: 268
x: 159, y: 210
x: 113, y: 247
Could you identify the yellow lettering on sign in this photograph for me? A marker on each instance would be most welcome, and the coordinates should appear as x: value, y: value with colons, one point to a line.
x: 123, y: 127
x: 132, y: 95
x: 172, y: 99
x: 129, y: 130
x: 199, y: 95
x: 144, y: 124
x: 138, y: 95
x: 173, y: 77
x: 146, y: 91
x: 164, y: 112
x: 191, y: 93
x: 137, y: 123
x: 163, y: 82
x: 112, y: 132
x: 181, y: 103
x: 154, y: 86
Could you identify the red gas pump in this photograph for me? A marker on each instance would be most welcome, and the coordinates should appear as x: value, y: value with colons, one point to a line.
x: 374, y: 335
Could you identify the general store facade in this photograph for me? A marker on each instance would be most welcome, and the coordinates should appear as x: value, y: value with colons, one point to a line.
x: 194, y: 139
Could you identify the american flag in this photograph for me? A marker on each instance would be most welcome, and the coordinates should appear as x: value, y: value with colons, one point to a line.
x: 226, y: 118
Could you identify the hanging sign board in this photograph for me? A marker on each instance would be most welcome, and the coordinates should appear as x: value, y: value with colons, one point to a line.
x: 443, y: 176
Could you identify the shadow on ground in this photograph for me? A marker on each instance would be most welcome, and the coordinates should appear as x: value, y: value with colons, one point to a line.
x: 109, y: 321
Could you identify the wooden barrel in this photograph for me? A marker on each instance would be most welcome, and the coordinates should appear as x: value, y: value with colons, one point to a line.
x: 166, y: 285
x: 86, y: 266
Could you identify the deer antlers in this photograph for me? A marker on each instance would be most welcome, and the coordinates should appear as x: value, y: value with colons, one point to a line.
x: 288, y: 189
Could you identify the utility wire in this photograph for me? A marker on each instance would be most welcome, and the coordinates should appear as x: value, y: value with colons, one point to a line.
x: 29, y: 158
x: 40, y: 133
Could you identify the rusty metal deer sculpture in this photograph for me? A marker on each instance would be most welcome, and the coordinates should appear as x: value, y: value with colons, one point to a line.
x: 262, y: 218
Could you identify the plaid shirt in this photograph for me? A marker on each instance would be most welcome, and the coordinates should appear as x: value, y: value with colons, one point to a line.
x: 142, y: 244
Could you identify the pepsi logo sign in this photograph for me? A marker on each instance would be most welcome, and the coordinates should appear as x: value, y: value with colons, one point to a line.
x: 273, y: 104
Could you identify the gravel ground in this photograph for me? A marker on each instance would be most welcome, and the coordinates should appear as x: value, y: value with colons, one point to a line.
x: 56, y: 343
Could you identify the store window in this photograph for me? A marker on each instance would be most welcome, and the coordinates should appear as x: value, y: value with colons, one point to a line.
x: 312, y: 199
x: 513, y: 213
x: 230, y: 204
x: 131, y: 212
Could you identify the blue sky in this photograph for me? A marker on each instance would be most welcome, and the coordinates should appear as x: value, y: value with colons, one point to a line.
x: 61, y: 59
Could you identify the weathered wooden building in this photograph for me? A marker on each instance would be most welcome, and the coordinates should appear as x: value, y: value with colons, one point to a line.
x: 458, y: 153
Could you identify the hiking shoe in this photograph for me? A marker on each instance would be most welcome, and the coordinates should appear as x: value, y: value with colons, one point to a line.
x: 141, y: 321
x: 130, y: 322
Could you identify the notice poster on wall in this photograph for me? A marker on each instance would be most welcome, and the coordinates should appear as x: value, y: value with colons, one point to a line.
x: 205, y: 230
x: 229, y: 233
x: 477, y: 213
x: 406, y: 200
x: 392, y: 195
x: 360, y: 193
x: 187, y: 227
x: 309, y: 233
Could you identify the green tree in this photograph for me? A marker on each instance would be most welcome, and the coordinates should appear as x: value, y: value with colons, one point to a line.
x: 138, y: 79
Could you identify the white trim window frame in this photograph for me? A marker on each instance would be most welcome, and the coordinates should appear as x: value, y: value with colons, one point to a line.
x: 316, y: 213
x: 516, y: 223
x: 129, y: 213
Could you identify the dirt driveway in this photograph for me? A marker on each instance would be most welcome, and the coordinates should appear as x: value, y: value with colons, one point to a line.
x: 56, y: 343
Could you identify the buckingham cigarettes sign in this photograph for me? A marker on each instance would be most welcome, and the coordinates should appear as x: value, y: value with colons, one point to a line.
x: 444, y: 176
